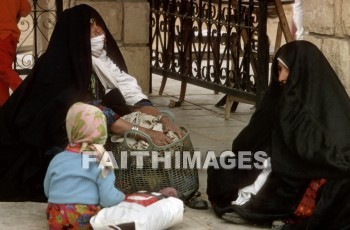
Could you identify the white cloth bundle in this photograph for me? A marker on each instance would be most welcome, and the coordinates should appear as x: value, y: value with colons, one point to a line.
x: 144, y: 211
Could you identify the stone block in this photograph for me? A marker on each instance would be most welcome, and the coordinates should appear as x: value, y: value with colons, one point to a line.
x: 136, y: 22
x: 342, y: 18
x: 111, y: 12
x: 345, y: 16
x: 138, y: 62
x: 315, y: 39
x: 337, y: 51
x: 319, y: 16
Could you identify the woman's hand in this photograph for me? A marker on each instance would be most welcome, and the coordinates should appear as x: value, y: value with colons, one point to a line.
x: 158, y: 138
x: 168, y: 125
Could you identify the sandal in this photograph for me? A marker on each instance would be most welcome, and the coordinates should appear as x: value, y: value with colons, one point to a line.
x: 278, y: 224
x: 197, y: 203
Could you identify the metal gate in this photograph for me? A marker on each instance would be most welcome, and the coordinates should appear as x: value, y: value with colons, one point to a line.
x: 36, y: 30
x: 219, y: 45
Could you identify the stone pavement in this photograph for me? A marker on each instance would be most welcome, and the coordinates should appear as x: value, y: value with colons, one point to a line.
x: 209, y: 131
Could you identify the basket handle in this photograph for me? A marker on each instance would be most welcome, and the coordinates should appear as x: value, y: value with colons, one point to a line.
x: 168, y: 114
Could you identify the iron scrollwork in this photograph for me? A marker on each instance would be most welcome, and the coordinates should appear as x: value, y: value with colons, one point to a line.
x: 36, y: 30
x: 209, y: 43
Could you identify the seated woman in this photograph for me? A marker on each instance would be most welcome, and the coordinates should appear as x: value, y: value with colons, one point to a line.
x: 82, y: 63
x: 303, y: 126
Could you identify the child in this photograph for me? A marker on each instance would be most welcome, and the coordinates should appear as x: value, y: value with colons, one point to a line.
x: 76, y: 193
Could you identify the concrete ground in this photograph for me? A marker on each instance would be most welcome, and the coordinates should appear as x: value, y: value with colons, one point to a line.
x: 208, y: 130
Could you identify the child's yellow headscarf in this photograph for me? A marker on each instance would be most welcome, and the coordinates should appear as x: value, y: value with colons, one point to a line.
x: 87, y: 128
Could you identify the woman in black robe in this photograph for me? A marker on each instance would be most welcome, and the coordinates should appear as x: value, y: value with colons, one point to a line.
x: 303, y: 126
x: 32, y: 121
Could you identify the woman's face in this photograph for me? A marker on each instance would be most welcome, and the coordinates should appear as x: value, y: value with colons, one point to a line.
x: 95, y: 30
x: 283, y: 73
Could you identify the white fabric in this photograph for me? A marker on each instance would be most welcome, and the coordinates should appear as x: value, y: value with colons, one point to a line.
x: 298, y: 18
x: 97, y: 44
x: 244, y: 194
x: 112, y: 77
x: 279, y: 59
x: 146, y: 121
x: 161, y: 214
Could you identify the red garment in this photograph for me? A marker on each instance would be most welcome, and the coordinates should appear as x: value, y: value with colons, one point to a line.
x: 308, y: 203
x: 10, y: 13
x: 76, y: 148
x: 9, y: 78
x: 70, y: 216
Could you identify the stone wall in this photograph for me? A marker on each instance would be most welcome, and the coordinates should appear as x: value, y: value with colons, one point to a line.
x: 328, y: 26
x: 128, y: 21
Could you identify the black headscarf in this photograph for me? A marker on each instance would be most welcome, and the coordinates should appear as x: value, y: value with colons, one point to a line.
x: 304, y: 121
x: 32, y: 120
x: 304, y: 127
x: 311, y: 135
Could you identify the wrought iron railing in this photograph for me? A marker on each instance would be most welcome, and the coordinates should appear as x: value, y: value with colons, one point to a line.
x: 219, y: 45
x: 36, y: 30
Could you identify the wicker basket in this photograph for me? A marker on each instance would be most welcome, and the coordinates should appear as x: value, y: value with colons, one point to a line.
x: 131, y: 179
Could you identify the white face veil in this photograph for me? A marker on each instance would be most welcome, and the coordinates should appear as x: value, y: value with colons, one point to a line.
x: 97, y: 45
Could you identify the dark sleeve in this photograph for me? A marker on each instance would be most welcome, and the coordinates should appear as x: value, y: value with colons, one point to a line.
x: 115, y: 101
x: 143, y: 102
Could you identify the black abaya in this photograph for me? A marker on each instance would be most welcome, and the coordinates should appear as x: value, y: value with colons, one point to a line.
x: 32, y: 121
x: 306, y: 125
